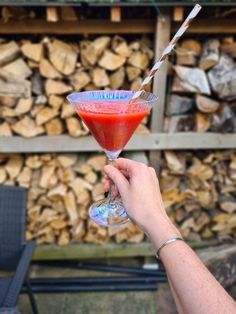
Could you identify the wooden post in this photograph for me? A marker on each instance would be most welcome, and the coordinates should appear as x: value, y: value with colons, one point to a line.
x: 162, y: 37
x: 115, y: 14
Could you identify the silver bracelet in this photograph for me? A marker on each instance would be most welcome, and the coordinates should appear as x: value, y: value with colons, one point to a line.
x: 173, y: 239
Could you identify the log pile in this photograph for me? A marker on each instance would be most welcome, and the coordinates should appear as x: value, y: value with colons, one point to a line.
x: 198, y: 190
x: 60, y: 189
x: 36, y: 76
x: 203, y: 94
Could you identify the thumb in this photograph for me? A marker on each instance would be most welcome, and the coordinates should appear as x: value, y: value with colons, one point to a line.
x: 118, y: 178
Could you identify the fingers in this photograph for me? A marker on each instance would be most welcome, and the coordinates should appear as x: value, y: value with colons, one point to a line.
x: 118, y: 178
x: 127, y: 165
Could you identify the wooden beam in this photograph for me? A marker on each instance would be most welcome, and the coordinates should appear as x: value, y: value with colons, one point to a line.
x: 142, y: 142
x: 78, y: 27
x: 110, y: 250
x: 209, y: 26
x: 162, y: 37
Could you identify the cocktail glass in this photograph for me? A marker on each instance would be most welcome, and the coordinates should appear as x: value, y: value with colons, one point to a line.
x: 112, y: 120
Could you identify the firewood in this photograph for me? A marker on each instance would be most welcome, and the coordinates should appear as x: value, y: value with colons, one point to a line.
x: 17, y: 68
x: 5, y: 129
x: 52, y: 14
x: 67, y: 160
x: 83, y: 169
x: 98, y: 192
x: 68, y: 13
x: 13, y: 166
x: 222, y: 78
x: 79, y: 80
x: 78, y: 230
x: 67, y: 110
x: 14, y: 12
x: 92, y: 51
x: 192, y: 45
x: 58, y: 224
x: 66, y: 175
x: 210, y: 55
x: 55, y: 101
x: 62, y: 56
x: 24, y: 177
x: 56, y: 87
x: 74, y: 127
x: 175, y: 164
x: 33, y: 162
x: 47, y: 70
x: 46, y: 173
x: 97, y: 162
x: 100, y: 77
x: 3, y: 175
x: 191, y: 80
x: 136, y: 84
x: 120, y: 46
x: 132, y: 72
x: 64, y: 237
x: 54, y: 127
x: 91, y: 177
x: 228, y: 204
x: 84, y: 44
x: 8, y: 52
x: 229, y: 48
x: 58, y: 191
x: 202, y: 122
x: 110, y: 61
x: 179, y: 105
x: 206, y: 105
x: 26, y: 127
x: 45, y: 115
x: 223, y: 120
x: 184, y: 57
x: 117, y: 78
x: 8, y: 101
x: 24, y: 105
x: 80, y: 188
x: 13, y: 87
x: 138, y: 60
x: 71, y: 207
x: 33, y: 51
x: 37, y: 84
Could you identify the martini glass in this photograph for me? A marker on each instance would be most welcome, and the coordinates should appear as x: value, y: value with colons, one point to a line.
x: 112, y: 120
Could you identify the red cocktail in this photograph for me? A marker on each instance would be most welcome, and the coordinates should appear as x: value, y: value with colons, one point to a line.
x: 112, y: 120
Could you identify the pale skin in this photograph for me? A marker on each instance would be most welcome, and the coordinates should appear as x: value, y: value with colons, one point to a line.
x: 194, y: 288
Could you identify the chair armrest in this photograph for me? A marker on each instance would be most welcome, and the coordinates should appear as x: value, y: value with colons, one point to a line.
x: 20, y: 274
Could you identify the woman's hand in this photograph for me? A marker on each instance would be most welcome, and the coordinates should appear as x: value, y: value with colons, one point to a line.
x: 139, y: 189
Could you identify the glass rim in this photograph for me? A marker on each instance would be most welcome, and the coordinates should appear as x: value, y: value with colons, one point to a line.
x: 140, y: 100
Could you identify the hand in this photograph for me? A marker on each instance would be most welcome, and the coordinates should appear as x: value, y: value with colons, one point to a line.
x: 139, y: 189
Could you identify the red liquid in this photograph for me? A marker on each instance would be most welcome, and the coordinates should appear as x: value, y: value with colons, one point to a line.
x: 112, y: 124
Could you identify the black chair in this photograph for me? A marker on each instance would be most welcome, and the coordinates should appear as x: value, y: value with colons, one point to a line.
x: 15, y: 252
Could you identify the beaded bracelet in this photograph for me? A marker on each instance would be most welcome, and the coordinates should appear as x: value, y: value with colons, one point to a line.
x: 173, y: 239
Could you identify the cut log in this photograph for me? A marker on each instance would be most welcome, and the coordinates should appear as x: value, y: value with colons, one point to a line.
x: 55, y: 101
x: 91, y: 177
x: 79, y: 80
x: 5, y: 129
x: 56, y: 87
x: 206, y: 105
x: 66, y: 175
x: 45, y: 115
x: 223, y: 120
x: 191, y: 80
x: 67, y: 110
x: 97, y: 162
x: 64, y: 237
x: 68, y: 13
x: 110, y: 61
x: 136, y: 84
x: 83, y: 169
x: 67, y: 160
x: 15, y: 88
x: 115, y: 14
x: 17, y: 68
x: 3, y: 175
x: 117, y: 78
x: 192, y: 45
x: 23, y: 106
x: 78, y: 231
x: 33, y: 162
x: 24, y: 177
x: 46, y: 173
x: 47, y: 70
x: 174, y: 163
x: 132, y: 72
x: 185, y: 57
x: 229, y: 47
x: 54, y: 127
x: 139, y: 60
x: 8, y: 52
x: 71, y: 207
x: 202, y: 122
x: 26, y: 127
x: 93, y: 50
x: 33, y: 51
x: 37, y: 84
x: 52, y: 14
x: 8, y: 101
x: 210, y: 55
x: 178, y: 105
x: 74, y: 127
x: 100, y: 77
x: 120, y: 46
x: 62, y: 56
x: 13, y: 166
x: 223, y: 78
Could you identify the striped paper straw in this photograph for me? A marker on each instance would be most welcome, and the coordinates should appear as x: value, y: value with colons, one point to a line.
x: 167, y: 50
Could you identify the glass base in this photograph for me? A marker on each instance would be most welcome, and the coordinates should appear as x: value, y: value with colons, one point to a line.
x: 105, y: 214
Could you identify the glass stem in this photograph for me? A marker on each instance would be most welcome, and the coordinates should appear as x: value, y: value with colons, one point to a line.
x: 111, y: 198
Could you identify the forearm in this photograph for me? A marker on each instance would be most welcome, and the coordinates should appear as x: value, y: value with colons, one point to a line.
x: 196, y: 290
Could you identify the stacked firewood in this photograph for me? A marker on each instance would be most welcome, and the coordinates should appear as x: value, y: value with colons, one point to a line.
x: 199, y: 192
x: 203, y: 93
x: 36, y: 77
x: 60, y: 189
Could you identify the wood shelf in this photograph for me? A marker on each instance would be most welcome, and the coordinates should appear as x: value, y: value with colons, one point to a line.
x: 109, y: 250
x: 134, y: 26
x: 152, y: 142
